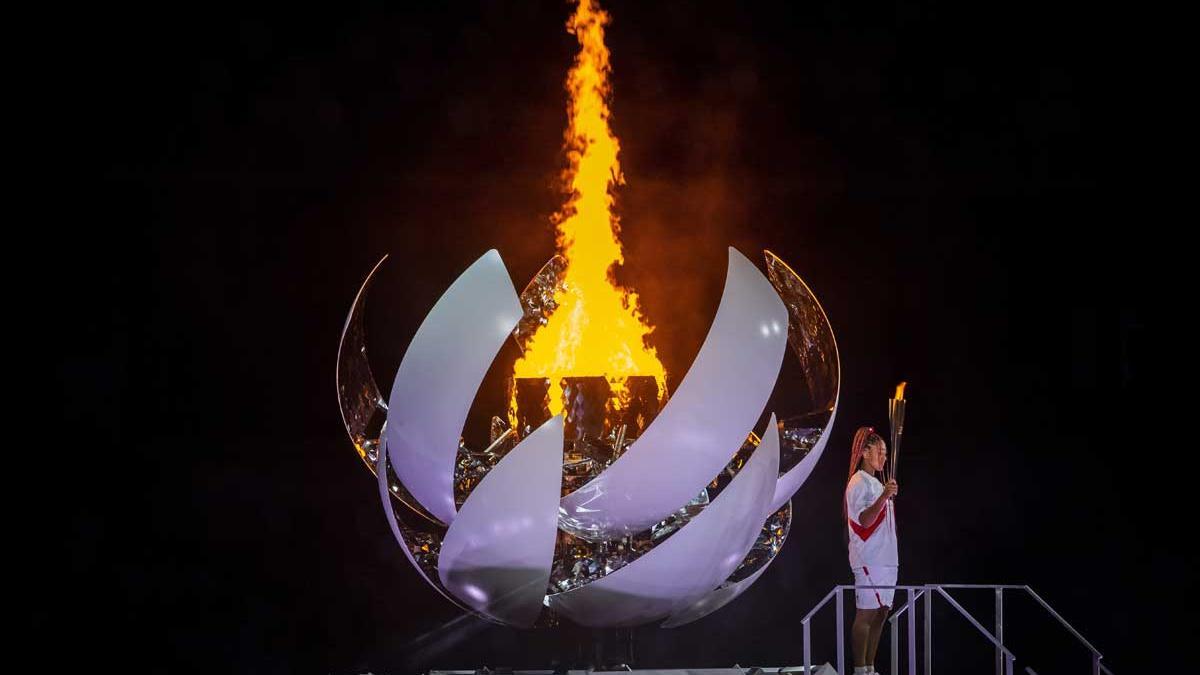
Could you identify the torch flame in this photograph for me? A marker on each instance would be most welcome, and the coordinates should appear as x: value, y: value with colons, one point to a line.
x: 597, y: 328
x: 900, y: 391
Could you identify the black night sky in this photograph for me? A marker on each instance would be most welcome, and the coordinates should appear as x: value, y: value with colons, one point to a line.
x: 937, y: 172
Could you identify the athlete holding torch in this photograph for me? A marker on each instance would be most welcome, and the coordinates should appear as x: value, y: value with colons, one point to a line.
x: 871, y: 528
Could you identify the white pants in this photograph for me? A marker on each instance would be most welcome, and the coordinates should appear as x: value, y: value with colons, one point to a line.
x: 874, y: 598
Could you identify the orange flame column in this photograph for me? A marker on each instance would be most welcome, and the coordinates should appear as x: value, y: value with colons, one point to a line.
x: 597, y: 329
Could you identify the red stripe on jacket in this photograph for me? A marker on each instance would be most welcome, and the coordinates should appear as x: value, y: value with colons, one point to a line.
x: 865, y: 533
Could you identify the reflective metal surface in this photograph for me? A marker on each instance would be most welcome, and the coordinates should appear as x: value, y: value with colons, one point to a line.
x: 809, y: 334
x: 537, y: 300
x: 811, y: 339
x: 790, y: 482
x: 532, y: 397
x: 362, y: 406
x: 364, y: 412
x: 585, y: 404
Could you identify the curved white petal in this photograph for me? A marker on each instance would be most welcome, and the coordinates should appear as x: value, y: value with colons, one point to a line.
x: 791, y: 481
x: 703, y: 424
x: 714, y: 600
x: 692, y: 562
x: 390, y: 513
x: 439, y: 376
x: 497, y: 554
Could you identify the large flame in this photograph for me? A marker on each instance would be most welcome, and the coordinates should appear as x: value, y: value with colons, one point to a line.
x: 597, y: 328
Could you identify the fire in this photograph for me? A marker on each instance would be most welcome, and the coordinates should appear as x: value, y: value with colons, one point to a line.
x: 900, y: 391
x: 597, y: 328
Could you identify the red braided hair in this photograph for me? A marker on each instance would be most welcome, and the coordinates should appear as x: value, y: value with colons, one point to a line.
x: 863, y: 438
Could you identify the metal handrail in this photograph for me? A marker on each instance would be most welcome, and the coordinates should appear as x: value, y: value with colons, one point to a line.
x: 1009, y: 657
x: 1004, y: 656
x: 1007, y: 587
x: 843, y: 587
x: 836, y: 592
x: 1097, y: 666
x: 821, y: 603
x: 896, y: 614
x: 1045, y: 605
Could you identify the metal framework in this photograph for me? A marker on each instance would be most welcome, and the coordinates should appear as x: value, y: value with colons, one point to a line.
x: 1004, y: 657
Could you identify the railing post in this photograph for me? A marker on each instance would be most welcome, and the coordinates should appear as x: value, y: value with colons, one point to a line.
x: 912, y: 633
x: 1008, y: 665
x: 929, y: 630
x: 999, y: 630
x: 1095, y: 663
x: 807, y: 648
x: 895, y: 647
x: 841, y: 638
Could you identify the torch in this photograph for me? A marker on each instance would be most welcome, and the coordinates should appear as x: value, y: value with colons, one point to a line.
x: 896, y: 417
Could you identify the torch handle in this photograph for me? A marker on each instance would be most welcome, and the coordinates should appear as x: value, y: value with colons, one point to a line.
x: 896, y: 417
x: 895, y: 464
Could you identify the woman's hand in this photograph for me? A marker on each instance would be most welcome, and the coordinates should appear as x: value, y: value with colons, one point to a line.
x: 891, y: 489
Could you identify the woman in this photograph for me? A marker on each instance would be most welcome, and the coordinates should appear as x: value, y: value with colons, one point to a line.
x: 871, y: 527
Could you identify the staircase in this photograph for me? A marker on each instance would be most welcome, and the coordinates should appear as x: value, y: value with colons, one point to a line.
x: 1005, y: 659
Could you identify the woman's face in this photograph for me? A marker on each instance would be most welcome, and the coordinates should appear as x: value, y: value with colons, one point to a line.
x: 875, y: 456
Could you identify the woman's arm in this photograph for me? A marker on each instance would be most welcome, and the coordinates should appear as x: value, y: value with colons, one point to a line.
x: 872, y: 512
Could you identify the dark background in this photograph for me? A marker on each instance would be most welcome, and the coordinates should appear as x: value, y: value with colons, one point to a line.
x: 940, y: 175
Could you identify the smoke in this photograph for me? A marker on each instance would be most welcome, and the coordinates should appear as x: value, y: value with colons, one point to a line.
x: 686, y: 194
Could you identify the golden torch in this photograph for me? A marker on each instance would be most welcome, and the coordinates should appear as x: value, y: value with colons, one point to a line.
x: 896, y: 417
